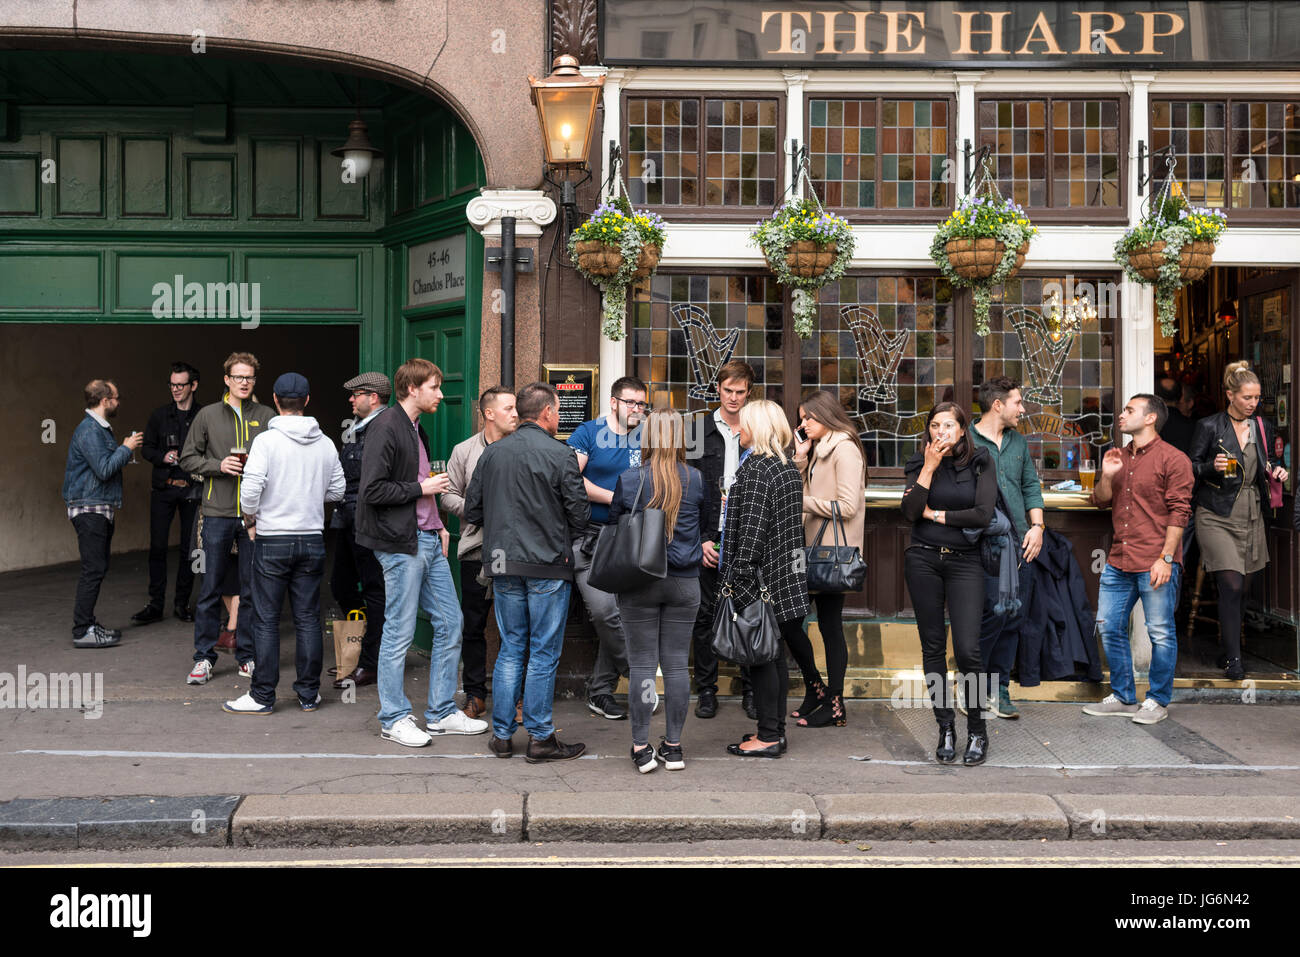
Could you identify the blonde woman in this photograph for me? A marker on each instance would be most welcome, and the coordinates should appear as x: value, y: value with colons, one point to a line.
x: 762, y: 538
x: 1232, y: 509
x: 659, y: 618
x: 834, y: 472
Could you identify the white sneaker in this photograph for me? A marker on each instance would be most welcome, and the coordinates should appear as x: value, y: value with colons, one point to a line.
x: 1151, y: 712
x: 245, y: 704
x: 201, y: 673
x: 406, y: 732
x: 246, y: 669
x: 458, y: 722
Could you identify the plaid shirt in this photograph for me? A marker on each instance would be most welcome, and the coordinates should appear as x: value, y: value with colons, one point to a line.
x: 764, y: 530
x: 105, y: 510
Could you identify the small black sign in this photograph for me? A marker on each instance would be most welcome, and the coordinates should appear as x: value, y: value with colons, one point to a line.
x: 577, y: 387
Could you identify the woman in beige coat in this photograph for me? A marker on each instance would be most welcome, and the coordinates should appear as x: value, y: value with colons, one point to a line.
x: 830, y: 459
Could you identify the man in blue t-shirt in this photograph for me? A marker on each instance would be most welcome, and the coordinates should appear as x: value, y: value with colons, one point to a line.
x: 606, y: 448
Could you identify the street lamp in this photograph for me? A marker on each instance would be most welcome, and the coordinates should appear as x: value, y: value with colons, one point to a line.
x: 566, y: 110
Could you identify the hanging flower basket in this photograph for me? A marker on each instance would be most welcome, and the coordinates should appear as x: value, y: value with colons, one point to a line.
x: 983, y: 244
x: 613, y: 249
x: 806, y: 248
x: 1171, y: 247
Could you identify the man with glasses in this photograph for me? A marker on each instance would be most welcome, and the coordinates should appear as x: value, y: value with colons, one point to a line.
x: 172, y: 491
x: 215, y: 451
x: 354, y: 563
x: 606, y: 448
x: 92, y: 491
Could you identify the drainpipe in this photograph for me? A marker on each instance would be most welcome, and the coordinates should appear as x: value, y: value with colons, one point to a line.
x: 508, y: 302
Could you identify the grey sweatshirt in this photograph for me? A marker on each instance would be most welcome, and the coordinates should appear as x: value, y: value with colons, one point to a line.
x: 292, y: 471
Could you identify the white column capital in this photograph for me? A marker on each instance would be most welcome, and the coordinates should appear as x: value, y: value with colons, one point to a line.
x: 531, y: 208
x: 795, y: 77
x: 967, y: 77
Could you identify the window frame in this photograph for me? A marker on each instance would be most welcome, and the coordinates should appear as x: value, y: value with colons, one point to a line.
x: 1071, y: 215
x: 858, y: 214
x: 1237, y: 215
x: 700, y: 212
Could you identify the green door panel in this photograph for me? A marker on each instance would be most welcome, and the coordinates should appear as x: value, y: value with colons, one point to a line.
x: 139, y: 273
x: 307, y: 284
x: 146, y: 176
x: 80, y: 175
x: 19, y: 176
x: 41, y: 282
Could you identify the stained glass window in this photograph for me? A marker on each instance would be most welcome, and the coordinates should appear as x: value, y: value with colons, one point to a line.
x: 884, y: 345
x: 1197, y: 131
x: 685, y: 327
x: 1068, y: 379
x: 1265, y: 141
x: 1073, y: 162
x: 693, y: 151
x: 878, y: 153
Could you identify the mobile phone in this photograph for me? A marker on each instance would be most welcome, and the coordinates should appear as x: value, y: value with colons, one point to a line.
x: 800, y: 434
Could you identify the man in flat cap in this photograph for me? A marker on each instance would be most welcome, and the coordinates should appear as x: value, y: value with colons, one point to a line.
x: 355, y: 563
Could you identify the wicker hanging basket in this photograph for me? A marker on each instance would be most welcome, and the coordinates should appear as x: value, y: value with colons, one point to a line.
x: 647, y: 262
x: 1193, y: 260
x: 600, y: 259
x: 979, y: 258
x: 807, y: 259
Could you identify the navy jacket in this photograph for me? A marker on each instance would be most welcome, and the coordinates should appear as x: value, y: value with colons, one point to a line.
x: 1058, y: 637
x: 93, y: 475
x: 685, y: 550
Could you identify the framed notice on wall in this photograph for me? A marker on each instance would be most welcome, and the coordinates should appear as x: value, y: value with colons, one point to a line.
x: 578, y: 387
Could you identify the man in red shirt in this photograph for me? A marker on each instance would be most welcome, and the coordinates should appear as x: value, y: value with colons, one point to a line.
x: 1148, y: 486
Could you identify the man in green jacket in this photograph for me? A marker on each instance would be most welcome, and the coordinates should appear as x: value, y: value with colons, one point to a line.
x: 215, y: 451
x: 1002, y: 406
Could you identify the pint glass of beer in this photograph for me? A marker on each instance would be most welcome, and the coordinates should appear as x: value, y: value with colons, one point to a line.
x: 240, y: 453
x: 1087, y: 474
x: 1230, y: 467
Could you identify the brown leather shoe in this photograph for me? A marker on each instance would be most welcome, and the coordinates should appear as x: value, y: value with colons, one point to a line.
x: 360, y: 677
x: 226, y: 640
x: 551, y: 749
x: 502, y: 747
x: 475, y: 707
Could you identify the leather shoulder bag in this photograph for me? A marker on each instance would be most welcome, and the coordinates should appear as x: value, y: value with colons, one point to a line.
x: 835, y: 567
x: 750, y: 635
x: 633, y: 553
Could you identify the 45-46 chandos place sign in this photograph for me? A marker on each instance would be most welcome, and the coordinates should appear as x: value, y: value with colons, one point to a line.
x: 856, y: 33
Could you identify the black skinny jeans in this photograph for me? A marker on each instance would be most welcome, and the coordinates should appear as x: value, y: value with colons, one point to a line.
x: 955, y: 579
x: 771, y: 683
x: 830, y: 620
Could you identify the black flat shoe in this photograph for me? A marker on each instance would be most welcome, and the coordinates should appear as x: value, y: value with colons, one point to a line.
x: 147, y: 615
x: 977, y: 749
x: 1233, y: 670
x: 183, y: 613
x: 771, y: 751
x: 751, y: 737
x: 945, y: 751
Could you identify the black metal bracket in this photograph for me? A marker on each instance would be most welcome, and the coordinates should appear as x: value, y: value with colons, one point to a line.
x: 798, y: 160
x: 1144, y: 161
x: 494, y: 256
x: 972, y: 159
x: 568, y: 190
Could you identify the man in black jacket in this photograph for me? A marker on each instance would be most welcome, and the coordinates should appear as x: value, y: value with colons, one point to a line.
x: 528, y: 496
x: 398, y: 519
x: 354, y: 563
x: 172, y: 491
x: 718, y: 464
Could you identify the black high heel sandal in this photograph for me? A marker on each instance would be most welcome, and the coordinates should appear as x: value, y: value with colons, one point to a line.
x: 812, y: 700
x: 831, y: 713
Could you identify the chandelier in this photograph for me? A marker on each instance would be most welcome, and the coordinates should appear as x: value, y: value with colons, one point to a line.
x: 1066, y: 319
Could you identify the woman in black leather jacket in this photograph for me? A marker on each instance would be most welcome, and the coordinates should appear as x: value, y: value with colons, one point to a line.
x: 1233, y: 509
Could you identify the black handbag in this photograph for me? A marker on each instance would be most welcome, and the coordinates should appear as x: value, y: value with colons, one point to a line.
x: 834, y: 568
x: 747, y: 636
x: 633, y: 553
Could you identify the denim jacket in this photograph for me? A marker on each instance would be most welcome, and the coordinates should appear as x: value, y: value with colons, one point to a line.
x: 94, y: 472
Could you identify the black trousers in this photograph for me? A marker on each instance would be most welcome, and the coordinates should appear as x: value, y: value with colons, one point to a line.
x: 830, y: 621
x: 94, y: 541
x: 355, y: 566
x: 956, y: 580
x: 164, y: 504
x: 706, y: 662
x: 771, y: 684
x: 475, y: 606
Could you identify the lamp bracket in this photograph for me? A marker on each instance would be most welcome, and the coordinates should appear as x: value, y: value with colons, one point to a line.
x: 1144, y: 161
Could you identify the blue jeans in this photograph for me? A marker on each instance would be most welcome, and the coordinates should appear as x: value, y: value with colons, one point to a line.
x: 1118, y: 594
x: 218, y: 535
x: 296, y: 564
x: 412, y: 582
x: 530, y: 616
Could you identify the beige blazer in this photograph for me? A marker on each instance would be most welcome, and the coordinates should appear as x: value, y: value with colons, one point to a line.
x: 833, y: 473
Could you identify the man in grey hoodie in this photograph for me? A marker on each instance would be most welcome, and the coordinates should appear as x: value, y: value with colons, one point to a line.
x: 292, y: 471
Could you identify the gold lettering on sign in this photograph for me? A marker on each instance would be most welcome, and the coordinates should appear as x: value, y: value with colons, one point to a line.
x: 1041, y: 32
x: 892, y: 32
x: 1149, y: 34
x: 787, y: 34
x: 859, y: 31
x: 994, y: 32
x: 1086, y: 30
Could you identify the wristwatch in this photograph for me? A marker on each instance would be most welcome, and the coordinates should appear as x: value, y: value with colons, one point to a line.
x: 1169, y: 559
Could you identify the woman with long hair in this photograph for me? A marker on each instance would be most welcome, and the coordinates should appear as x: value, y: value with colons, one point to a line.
x: 1232, y: 502
x: 658, y: 618
x: 951, y: 485
x: 834, y: 472
x: 762, y: 544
